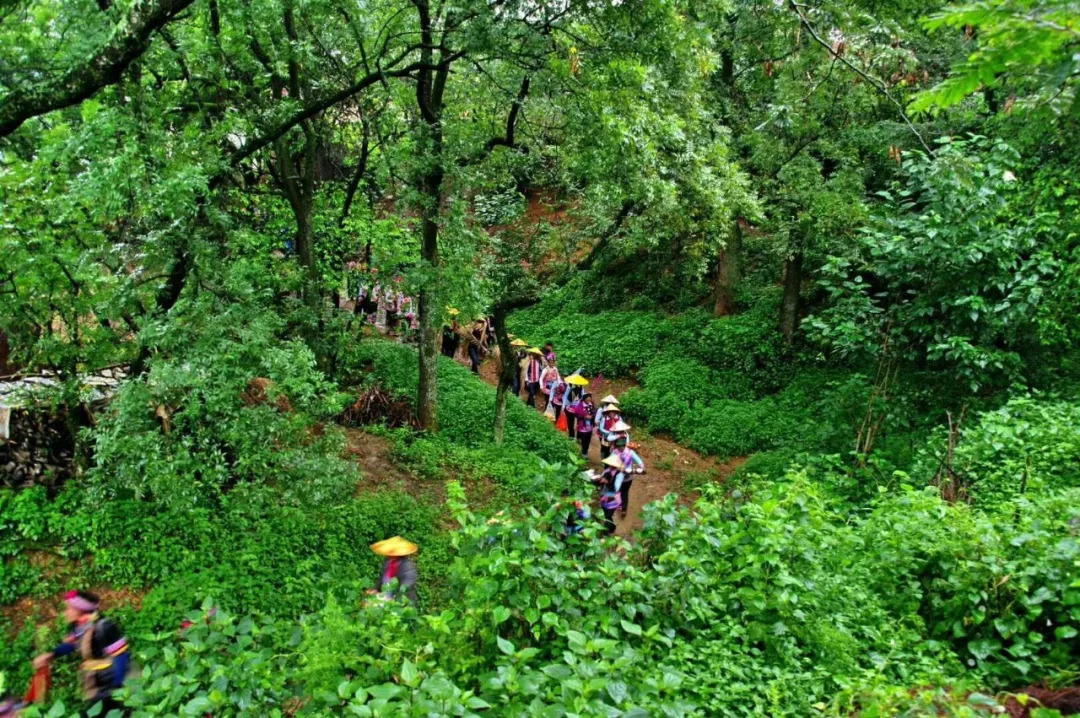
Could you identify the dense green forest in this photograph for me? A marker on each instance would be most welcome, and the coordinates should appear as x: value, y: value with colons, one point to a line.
x: 826, y: 253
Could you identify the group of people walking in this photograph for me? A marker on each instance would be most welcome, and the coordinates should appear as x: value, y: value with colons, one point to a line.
x: 479, y: 337
x: 372, y: 296
x: 570, y: 404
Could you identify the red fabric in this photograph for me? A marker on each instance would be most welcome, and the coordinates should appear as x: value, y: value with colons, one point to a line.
x: 39, y: 685
x: 560, y: 424
x: 390, y: 570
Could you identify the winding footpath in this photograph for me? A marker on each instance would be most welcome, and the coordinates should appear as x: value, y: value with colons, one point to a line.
x: 671, y: 467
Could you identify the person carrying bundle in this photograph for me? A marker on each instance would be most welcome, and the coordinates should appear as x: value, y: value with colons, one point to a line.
x: 398, y: 576
x: 477, y: 338
x: 101, y: 645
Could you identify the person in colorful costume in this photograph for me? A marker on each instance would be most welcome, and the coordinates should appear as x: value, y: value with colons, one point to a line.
x: 556, y: 392
x: 610, y: 498
x: 98, y: 640
x: 549, y: 353
x: 571, y: 401
x: 549, y: 380
x: 577, y: 514
x: 631, y: 464
x: 606, y: 419
x: 398, y: 576
x: 585, y: 423
x: 534, y: 373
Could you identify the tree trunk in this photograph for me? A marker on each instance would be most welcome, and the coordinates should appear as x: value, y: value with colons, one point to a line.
x: 430, y: 84
x: 789, y: 307
x: 6, y: 365
x: 427, y: 392
x: 727, y: 273
x: 507, y: 366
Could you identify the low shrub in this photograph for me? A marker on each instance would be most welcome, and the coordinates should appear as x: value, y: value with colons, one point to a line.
x: 236, y: 552
x: 466, y: 412
x: 1000, y: 590
x: 196, y: 426
x: 620, y: 343
x: 1030, y: 444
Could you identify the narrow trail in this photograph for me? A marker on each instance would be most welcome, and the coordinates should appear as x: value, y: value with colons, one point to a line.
x: 670, y: 467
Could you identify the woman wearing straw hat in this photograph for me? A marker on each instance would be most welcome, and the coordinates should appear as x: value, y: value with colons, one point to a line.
x: 631, y: 462
x: 610, y: 498
x: 607, y: 418
x: 549, y: 386
x: 517, y: 357
x: 399, y: 567
x: 571, y: 401
x: 534, y: 373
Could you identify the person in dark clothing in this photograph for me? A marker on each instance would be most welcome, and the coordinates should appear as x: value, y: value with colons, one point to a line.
x: 101, y: 645
x: 451, y: 337
x: 476, y: 339
x: 585, y: 424
x: 398, y: 576
x: 518, y: 359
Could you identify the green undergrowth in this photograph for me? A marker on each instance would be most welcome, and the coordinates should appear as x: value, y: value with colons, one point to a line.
x: 620, y: 343
x: 775, y: 601
x: 464, y: 445
x: 252, y: 554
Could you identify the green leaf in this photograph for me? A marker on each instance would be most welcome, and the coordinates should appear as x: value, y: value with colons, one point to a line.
x: 558, y: 671
x: 409, y: 674
x: 631, y: 628
x: 505, y: 646
x: 617, y: 690
x: 197, y: 706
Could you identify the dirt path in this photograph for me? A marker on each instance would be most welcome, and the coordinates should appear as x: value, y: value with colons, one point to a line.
x: 671, y: 468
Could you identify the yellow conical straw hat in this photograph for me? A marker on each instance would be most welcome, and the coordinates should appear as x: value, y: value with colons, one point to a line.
x: 394, y: 547
x: 609, y: 399
x: 577, y: 380
x: 519, y: 343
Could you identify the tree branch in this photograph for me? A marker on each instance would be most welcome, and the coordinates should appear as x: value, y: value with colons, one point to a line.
x: 129, y: 41
x: 315, y: 108
x: 874, y: 82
